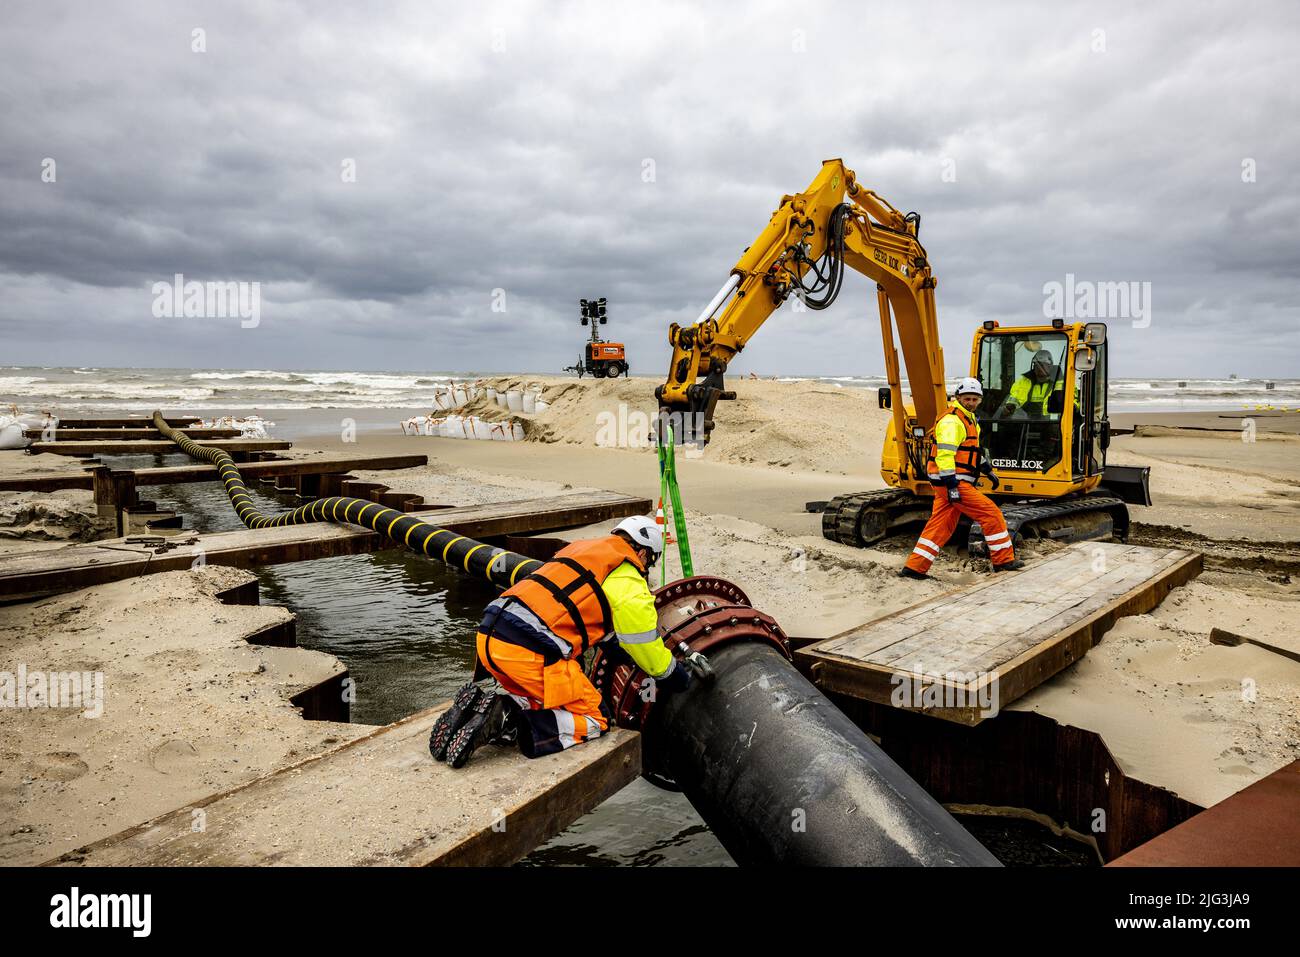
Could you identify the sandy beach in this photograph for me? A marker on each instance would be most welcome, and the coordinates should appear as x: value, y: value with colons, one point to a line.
x: 1169, y: 704
x: 208, y: 709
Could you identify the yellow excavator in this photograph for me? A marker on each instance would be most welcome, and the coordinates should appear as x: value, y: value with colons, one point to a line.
x: 1044, y: 415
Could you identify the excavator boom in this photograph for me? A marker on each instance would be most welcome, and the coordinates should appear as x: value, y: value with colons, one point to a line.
x: 803, y: 252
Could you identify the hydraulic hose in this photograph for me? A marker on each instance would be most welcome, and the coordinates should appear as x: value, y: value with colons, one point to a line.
x: 497, y: 565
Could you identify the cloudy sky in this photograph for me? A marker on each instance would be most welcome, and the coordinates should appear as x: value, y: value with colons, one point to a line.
x: 505, y: 147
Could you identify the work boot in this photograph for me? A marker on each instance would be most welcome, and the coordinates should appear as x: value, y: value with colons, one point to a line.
x: 487, y: 723
x: 906, y: 572
x: 1010, y: 566
x: 451, y: 720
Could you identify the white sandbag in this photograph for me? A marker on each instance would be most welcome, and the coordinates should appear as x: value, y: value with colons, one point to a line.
x: 515, y: 400
x: 491, y: 393
x: 455, y: 427
x: 459, y: 396
x: 502, y: 401
x: 530, y: 402
x: 542, y: 406
x: 482, y: 429
x: 11, y: 433
x: 516, y: 430
x: 38, y: 420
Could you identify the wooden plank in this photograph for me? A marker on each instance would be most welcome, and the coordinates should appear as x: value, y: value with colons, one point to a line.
x: 177, y: 474
x: 61, y: 434
x: 26, y: 575
x: 1259, y: 826
x: 382, y: 800
x: 47, y: 481
x: 128, y: 422
x: 1010, y: 633
x: 142, y: 446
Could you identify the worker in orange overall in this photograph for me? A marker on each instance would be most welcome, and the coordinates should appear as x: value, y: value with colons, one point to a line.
x: 533, y: 637
x: 955, y: 465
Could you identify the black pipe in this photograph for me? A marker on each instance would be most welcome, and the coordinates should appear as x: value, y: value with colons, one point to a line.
x: 783, y: 777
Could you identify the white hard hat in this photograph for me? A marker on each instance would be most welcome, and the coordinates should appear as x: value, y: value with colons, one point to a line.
x: 969, y: 386
x: 643, y: 530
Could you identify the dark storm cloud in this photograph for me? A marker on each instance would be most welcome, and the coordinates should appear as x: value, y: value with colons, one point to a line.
x: 502, y: 147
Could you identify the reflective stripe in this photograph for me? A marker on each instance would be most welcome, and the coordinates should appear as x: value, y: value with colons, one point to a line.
x: 929, y: 544
x: 638, y: 637
x: 966, y: 478
x: 923, y: 553
x: 593, y: 729
x: 524, y: 615
x: 998, y: 548
x: 997, y: 536
x: 672, y: 664
x: 564, y: 722
x: 946, y: 447
x: 943, y: 472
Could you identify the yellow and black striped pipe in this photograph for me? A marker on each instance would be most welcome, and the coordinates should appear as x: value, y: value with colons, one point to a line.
x: 497, y: 565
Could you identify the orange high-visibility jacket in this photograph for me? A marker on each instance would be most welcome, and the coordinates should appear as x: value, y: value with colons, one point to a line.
x: 954, y: 446
x: 565, y: 593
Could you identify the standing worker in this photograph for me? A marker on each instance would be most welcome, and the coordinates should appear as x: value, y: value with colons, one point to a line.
x: 955, y: 465
x: 533, y: 637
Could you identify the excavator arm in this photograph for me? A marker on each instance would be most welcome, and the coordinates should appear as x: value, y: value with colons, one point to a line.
x: 802, y: 252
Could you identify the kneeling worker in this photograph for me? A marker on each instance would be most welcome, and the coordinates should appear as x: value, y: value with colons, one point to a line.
x: 955, y: 465
x: 533, y: 637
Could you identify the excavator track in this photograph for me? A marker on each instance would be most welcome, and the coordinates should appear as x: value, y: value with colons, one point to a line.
x: 1081, y: 519
x: 862, y: 518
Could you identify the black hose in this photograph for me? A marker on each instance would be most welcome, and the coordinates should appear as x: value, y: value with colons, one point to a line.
x: 822, y: 293
x: 497, y: 565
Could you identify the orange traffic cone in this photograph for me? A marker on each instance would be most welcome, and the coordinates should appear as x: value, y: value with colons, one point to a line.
x: 663, y: 528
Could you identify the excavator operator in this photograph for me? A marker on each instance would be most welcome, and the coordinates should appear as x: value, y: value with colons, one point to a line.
x: 534, y: 635
x: 956, y: 463
x: 1033, y: 390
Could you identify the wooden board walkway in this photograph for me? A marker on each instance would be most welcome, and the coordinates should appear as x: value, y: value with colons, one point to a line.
x: 62, y: 434
x: 322, y: 465
x: 47, y: 481
x: 1259, y: 826
x: 952, y: 655
x: 382, y: 800
x: 129, y: 422
x: 34, y: 574
x: 144, y: 446
x: 178, y: 474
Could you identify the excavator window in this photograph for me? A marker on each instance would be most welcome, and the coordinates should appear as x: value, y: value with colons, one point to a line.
x: 1025, y: 391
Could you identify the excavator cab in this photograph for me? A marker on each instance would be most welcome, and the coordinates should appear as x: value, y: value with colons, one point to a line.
x: 1043, y: 418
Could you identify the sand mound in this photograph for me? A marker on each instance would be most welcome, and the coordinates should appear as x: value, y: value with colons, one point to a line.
x: 802, y: 425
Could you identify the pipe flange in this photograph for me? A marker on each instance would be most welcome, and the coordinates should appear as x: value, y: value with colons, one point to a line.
x: 702, y: 613
x: 700, y: 586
